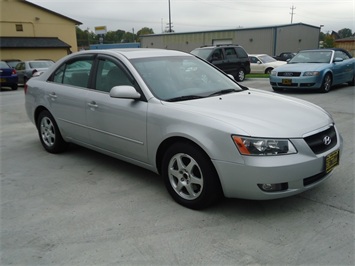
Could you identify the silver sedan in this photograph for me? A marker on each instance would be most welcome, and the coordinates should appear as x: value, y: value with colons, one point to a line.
x: 174, y: 114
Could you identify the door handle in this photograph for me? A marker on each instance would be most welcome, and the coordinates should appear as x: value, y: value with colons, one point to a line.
x: 53, y: 95
x: 92, y: 104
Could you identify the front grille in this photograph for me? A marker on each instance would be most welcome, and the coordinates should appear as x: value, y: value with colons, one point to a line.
x: 322, y: 141
x: 289, y: 74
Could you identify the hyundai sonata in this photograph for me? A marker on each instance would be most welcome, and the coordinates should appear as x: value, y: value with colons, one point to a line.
x: 179, y: 116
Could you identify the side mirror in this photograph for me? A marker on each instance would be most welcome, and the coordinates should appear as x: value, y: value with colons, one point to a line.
x: 338, y: 59
x: 125, y: 92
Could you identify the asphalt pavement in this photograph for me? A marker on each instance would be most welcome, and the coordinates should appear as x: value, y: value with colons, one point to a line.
x: 84, y: 208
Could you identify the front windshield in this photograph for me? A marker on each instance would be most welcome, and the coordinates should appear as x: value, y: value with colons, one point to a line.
x: 312, y: 57
x: 182, y: 76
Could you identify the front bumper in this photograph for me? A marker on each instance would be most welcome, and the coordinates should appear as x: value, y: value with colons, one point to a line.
x: 295, y: 82
x: 294, y: 173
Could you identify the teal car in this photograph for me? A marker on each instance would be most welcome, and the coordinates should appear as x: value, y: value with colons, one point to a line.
x: 319, y: 69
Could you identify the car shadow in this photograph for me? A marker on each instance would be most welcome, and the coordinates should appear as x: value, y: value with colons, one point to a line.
x: 240, y: 207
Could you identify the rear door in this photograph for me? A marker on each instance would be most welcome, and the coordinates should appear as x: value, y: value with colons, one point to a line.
x: 66, y: 94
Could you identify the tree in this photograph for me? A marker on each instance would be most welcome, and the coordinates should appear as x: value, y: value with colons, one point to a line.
x: 328, y: 41
x: 344, y: 33
x: 144, y: 31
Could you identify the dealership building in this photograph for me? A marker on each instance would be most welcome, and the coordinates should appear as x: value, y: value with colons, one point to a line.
x: 270, y: 40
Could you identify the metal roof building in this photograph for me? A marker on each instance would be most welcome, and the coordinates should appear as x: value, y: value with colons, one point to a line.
x: 270, y: 40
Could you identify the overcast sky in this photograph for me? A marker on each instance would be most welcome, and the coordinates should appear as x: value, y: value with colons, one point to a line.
x: 203, y: 15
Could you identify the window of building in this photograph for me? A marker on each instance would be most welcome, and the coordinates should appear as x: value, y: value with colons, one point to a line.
x: 19, y: 27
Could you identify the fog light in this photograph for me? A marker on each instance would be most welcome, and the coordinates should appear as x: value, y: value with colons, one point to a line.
x: 273, y: 187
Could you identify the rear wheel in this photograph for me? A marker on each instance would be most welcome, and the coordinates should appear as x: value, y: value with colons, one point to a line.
x: 240, y: 75
x: 14, y: 87
x: 352, y: 82
x: 326, y: 84
x: 49, y: 133
x: 190, y: 176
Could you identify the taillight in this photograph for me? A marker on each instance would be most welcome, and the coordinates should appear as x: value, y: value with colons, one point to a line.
x: 25, y: 87
x: 13, y: 72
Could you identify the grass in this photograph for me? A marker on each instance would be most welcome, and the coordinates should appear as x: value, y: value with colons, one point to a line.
x: 257, y: 76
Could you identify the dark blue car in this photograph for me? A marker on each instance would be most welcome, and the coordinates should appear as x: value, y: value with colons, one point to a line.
x: 319, y: 69
x: 8, y: 76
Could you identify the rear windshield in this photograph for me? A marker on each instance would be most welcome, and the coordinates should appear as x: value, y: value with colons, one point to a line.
x: 3, y: 65
x: 41, y: 64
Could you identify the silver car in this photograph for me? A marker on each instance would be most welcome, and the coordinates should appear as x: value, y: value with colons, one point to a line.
x: 174, y: 114
x: 26, y: 69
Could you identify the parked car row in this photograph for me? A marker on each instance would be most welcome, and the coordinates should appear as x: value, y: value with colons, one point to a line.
x: 21, y: 71
x: 319, y: 69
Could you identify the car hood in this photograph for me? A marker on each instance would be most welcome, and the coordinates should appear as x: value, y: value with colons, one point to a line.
x: 302, y: 67
x: 257, y: 113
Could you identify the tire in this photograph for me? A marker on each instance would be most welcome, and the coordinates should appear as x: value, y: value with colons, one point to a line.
x: 268, y: 70
x: 14, y: 87
x: 190, y: 176
x: 240, y: 75
x: 49, y: 134
x: 326, y: 84
x: 352, y: 82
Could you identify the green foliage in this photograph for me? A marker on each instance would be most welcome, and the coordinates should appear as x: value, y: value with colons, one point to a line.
x: 86, y: 37
x: 344, y: 33
x: 328, y: 41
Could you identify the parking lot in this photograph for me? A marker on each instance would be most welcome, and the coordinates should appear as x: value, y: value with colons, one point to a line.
x: 84, y: 208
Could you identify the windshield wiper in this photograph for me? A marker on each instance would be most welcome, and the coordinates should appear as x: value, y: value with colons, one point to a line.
x: 185, y: 98
x: 226, y: 91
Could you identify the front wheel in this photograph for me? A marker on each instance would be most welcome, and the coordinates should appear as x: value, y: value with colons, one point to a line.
x: 326, y: 84
x: 49, y: 133
x: 268, y: 70
x: 240, y: 75
x: 190, y: 176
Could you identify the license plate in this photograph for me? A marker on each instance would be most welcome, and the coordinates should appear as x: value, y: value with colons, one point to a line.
x: 287, y: 82
x: 2, y: 80
x: 331, y: 160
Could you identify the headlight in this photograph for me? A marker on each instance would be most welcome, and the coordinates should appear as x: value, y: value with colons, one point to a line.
x: 311, y: 73
x: 260, y: 146
x: 273, y: 73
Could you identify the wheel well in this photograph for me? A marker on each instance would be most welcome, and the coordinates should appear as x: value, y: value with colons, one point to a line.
x: 167, y: 143
x: 37, y: 112
x: 268, y: 69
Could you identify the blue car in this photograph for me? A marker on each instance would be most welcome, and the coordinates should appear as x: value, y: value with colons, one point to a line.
x: 8, y: 76
x: 319, y: 69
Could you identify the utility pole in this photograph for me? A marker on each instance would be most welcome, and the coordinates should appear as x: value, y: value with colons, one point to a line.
x: 292, y: 8
x: 169, y: 17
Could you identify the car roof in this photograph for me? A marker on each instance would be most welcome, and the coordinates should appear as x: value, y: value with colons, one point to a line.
x: 132, y: 53
x: 218, y: 45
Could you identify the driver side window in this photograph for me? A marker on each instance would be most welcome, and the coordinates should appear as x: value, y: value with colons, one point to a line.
x: 110, y: 75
